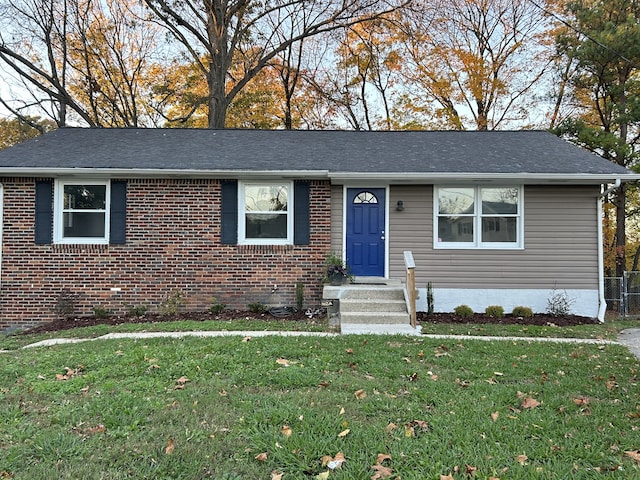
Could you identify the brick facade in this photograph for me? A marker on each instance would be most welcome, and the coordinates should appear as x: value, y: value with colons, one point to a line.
x: 172, y: 244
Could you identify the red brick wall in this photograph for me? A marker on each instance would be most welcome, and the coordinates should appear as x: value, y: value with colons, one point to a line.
x: 173, y: 243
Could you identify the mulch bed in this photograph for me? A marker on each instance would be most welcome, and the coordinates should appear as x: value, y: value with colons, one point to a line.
x: 422, y: 317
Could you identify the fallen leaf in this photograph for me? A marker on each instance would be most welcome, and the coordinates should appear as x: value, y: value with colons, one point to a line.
x: 530, y: 402
x: 494, y: 416
x: 611, y: 384
x: 337, y: 461
x: 381, y: 472
x: 342, y: 411
x: 181, y: 382
x: 521, y: 459
x: 170, y: 447
x: 446, y: 477
x: 97, y: 429
x: 349, y: 350
x: 360, y: 394
x: 322, y: 476
x: 344, y: 433
x: 283, y: 361
x: 391, y: 427
x: 261, y: 457
x: 581, y: 400
x: 470, y: 470
x: 382, y: 457
x: 635, y: 455
x: 409, y: 431
x: 275, y: 475
x: 246, y: 339
x: 286, y: 431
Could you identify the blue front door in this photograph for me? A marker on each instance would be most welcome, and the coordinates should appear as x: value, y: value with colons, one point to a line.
x: 365, y: 231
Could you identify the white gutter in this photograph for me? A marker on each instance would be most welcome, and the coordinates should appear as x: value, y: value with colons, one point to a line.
x: 159, y: 172
x: 522, y: 177
x: 611, y: 188
x: 386, y: 177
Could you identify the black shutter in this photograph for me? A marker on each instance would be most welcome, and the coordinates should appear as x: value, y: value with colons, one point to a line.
x: 229, y: 227
x: 44, y: 212
x: 118, y: 214
x: 301, y: 228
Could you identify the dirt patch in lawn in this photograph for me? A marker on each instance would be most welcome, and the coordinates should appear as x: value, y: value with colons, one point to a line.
x: 291, y: 316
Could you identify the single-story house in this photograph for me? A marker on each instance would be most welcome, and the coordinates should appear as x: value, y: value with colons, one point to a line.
x: 113, y: 219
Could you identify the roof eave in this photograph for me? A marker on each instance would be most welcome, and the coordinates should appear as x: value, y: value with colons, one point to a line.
x: 477, y: 177
x: 159, y: 173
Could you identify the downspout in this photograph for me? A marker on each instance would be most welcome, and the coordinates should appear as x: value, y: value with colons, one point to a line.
x: 602, y: 301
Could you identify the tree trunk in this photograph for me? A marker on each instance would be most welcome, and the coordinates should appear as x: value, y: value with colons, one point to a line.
x: 217, y: 98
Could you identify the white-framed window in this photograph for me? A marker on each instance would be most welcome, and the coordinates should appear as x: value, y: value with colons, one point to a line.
x: 265, y: 213
x: 81, y: 211
x: 478, y: 217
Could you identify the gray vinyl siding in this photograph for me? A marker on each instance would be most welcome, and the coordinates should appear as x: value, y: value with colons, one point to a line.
x: 336, y: 218
x: 560, y: 243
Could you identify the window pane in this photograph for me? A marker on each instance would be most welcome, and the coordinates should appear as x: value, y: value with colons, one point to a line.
x: 83, y: 224
x: 266, y: 198
x: 456, y: 201
x: 85, y: 197
x: 455, y: 229
x: 499, y: 229
x: 499, y: 201
x: 365, y: 197
x: 266, y: 226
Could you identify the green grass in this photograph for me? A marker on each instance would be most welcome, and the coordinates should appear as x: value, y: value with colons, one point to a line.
x: 455, y: 405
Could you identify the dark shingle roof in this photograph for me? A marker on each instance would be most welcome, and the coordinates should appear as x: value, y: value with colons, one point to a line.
x: 336, y: 153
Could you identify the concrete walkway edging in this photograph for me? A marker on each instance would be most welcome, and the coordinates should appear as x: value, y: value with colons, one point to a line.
x: 629, y: 338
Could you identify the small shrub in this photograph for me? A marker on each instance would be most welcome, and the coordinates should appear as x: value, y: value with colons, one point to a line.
x: 463, y: 311
x: 494, y: 311
x: 216, y: 307
x: 299, y: 296
x: 524, y: 312
x: 136, y: 310
x: 100, y: 312
x: 257, y: 307
x: 559, y: 303
x: 172, y: 303
x: 430, y: 302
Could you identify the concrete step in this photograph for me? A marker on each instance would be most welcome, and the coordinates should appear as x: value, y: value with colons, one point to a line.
x: 373, y: 293
x: 389, y: 318
x: 373, y: 306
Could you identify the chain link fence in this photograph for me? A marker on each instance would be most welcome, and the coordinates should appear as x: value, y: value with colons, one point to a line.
x: 623, y: 294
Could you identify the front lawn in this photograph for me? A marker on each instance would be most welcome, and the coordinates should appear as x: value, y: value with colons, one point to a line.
x: 347, y: 407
